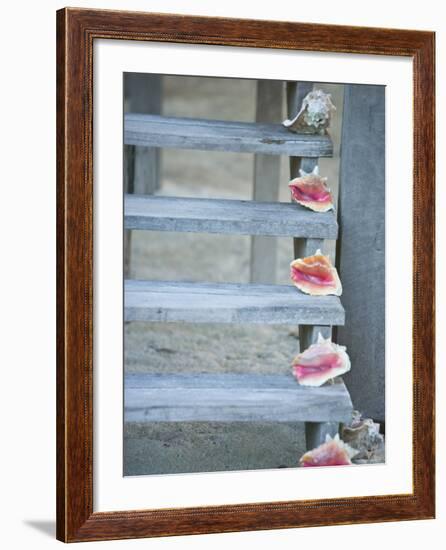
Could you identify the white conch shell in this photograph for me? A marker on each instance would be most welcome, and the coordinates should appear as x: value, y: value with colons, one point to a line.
x: 315, y: 114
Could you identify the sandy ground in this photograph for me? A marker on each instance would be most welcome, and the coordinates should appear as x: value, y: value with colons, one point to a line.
x: 171, y: 448
x: 168, y: 347
x: 168, y: 447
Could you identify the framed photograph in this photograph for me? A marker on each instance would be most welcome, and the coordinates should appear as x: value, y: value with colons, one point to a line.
x: 245, y: 277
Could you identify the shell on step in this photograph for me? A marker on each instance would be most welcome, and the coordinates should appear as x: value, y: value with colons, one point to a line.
x: 321, y: 362
x: 334, y: 452
x: 314, y: 116
x: 311, y: 190
x: 315, y: 275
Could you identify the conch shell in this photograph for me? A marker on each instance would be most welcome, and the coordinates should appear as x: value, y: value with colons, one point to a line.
x: 363, y: 434
x: 320, y: 362
x: 334, y: 452
x: 311, y: 190
x: 315, y: 275
x: 314, y: 116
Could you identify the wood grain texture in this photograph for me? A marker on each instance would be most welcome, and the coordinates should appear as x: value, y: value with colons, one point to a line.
x: 361, y: 248
x: 161, y: 301
x: 218, y: 135
x: 227, y: 216
x: 231, y: 398
x: 74, y: 280
x: 76, y: 31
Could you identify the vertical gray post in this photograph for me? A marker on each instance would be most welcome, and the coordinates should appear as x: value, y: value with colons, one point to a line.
x: 142, y: 94
x: 128, y: 183
x: 266, y: 182
x: 295, y: 93
x: 361, y: 245
x: 302, y: 247
x: 315, y: 432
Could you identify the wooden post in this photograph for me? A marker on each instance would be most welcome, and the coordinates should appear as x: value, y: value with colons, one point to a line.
x: 142, y: 94
x: 128, y: 177
x: 361, y: 245
x: 266, y: 182
x: 295, y: 93
x: 315, y: 432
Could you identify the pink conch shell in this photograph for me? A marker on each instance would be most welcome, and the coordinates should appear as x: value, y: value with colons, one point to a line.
x: 334, y: 452
x: 311, y: 190
x: 320, y: 362
x: 315, y: 275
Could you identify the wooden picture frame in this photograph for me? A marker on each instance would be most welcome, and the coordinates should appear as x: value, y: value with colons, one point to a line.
x: 76, y: 31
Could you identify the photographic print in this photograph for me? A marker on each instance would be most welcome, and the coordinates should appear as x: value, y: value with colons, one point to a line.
x: 245, y: 275
x: 254, y: 274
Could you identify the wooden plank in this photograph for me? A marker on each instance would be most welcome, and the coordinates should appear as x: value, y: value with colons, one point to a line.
x: 228, y: 303
x: 361, y: 250
x: 231, y: 398
x: 227, y: 216
x: 263, y: 264
x: 216, y: 135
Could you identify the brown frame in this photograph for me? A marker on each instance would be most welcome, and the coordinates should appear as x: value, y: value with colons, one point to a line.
x: 76, y: 31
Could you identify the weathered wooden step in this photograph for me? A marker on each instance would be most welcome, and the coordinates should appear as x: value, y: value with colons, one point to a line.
x: 217, y: 135
x: 227, y: 216
x: 232, y: 398
x: 228, y: 303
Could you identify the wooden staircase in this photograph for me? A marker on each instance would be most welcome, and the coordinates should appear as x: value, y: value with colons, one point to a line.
x: 230, y: 397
